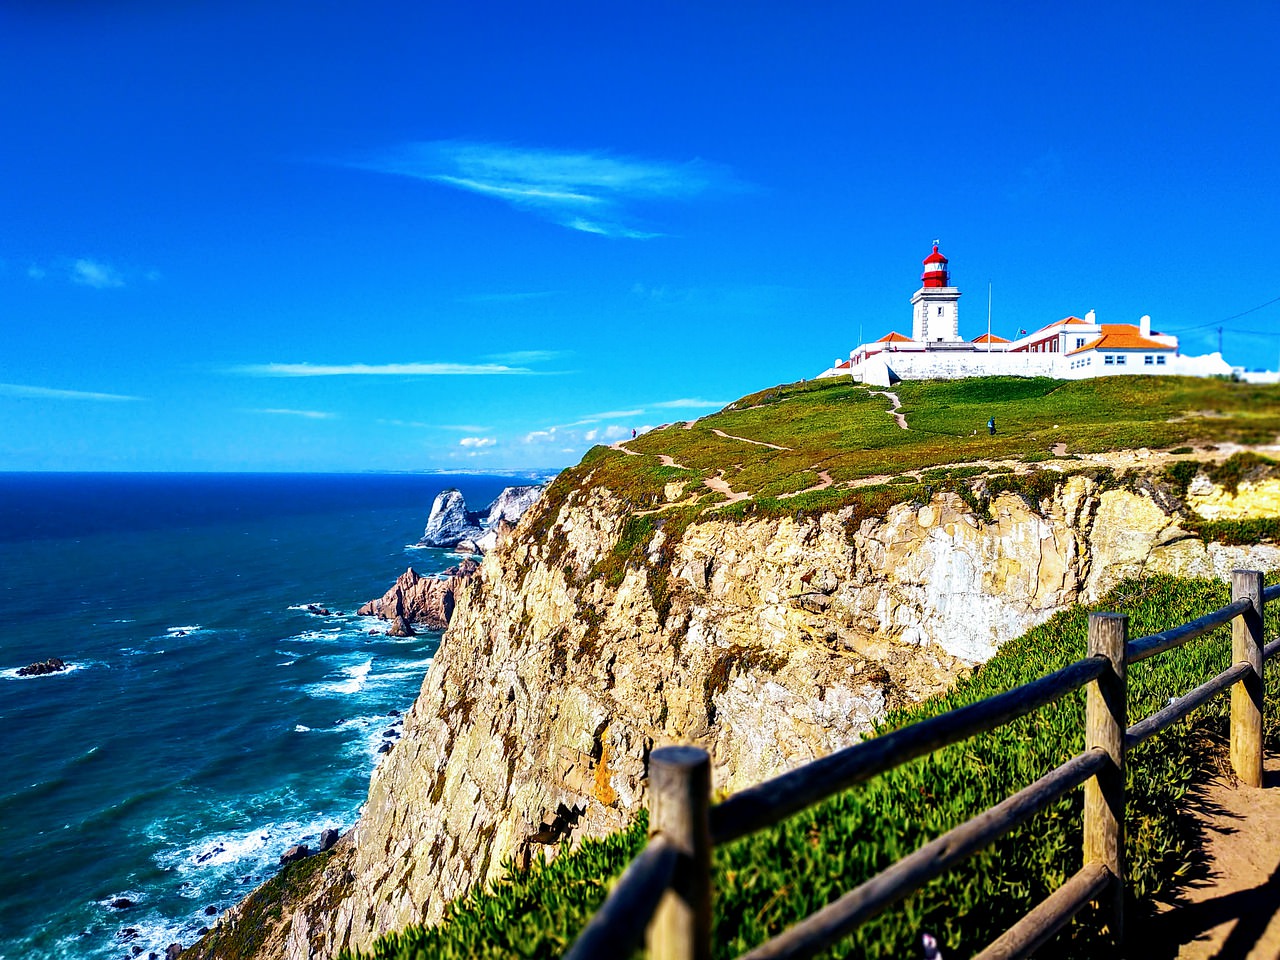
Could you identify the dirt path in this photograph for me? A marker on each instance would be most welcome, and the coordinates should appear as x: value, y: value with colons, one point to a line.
x: 824, y: 481
x: 718, y: 484
x: 758, y: 443
x: 897, y: 405
x: 1233, y: 911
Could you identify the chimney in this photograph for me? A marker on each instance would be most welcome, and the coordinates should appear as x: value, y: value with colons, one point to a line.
x: 1090, y: 317
x: 1144, y: 325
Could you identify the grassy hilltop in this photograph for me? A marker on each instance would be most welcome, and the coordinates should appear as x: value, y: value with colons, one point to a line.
x: 845, y: 430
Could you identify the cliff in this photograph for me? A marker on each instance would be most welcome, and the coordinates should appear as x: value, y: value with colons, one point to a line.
x: 769, y: 641
x: 642, y: 602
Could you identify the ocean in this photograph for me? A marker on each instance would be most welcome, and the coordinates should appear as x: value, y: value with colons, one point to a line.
x: 208, y: 720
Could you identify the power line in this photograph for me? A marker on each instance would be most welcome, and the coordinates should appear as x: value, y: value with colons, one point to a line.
x: 1235, y: 316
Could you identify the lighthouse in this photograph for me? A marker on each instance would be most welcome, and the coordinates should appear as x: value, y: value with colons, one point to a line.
x: 936, y: 305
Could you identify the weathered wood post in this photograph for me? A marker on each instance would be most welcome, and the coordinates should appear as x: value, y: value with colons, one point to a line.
x: 1106, y: 721
x: 1246, y: 695
x: 679, y: 804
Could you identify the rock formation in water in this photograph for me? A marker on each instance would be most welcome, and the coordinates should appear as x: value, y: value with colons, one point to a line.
x: 52, y: 665
x: 450, y: 524
x: 417, y: 600
x: 769, y: 641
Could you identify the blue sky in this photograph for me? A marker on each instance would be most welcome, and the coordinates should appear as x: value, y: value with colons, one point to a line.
x: 406, y: 236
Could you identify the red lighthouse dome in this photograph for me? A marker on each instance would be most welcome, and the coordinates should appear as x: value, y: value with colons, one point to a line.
x: 935, y: 270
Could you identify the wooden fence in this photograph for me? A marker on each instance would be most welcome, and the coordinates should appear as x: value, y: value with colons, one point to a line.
x: 666, y: 891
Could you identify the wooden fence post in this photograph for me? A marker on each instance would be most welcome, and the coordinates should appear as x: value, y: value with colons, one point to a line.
x: 1246, y: 695
x: 1106, y: 721
x: 679, y: 805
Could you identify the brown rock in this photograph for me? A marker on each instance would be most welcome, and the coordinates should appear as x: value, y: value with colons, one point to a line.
x: 420, y: 601
x: 295, y: 853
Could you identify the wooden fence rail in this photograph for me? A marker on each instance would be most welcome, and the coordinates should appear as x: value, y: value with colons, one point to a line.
x: 666, y: 891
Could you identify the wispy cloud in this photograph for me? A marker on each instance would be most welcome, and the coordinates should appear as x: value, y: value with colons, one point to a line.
x: 309, y: 414
x: 590, y: 191
x: 92, y: 273
x: 522, y: 357
x: 692, y: 403
x: 378, y: 370
x: 476, y: 443
x: 49, y: 393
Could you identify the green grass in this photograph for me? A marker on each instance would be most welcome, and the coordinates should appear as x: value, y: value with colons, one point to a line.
x: 843, y: 429
x: 770, y: 880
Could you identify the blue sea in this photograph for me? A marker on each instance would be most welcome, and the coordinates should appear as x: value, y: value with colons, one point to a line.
x: 208, y: 720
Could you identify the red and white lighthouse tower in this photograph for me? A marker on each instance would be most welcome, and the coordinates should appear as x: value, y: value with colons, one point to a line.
x: 936, y: 305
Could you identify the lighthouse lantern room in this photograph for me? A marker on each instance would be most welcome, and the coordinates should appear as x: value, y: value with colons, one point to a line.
x: 936, y: 305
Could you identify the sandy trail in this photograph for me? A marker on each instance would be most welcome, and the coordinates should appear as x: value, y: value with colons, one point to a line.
x: 824, y: 481
x: 718, y: 484
x: 758, y: 443
x: 897, y: 405
x: 1233, y: 913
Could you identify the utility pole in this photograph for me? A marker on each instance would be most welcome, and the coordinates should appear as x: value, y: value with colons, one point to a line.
x: 1219, y: 339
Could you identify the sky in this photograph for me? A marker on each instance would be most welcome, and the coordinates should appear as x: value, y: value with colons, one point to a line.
x: 338, y: 236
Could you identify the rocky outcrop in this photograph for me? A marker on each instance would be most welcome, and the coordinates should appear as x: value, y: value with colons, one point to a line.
x: 425, y: 601
x: 52, y: 665
x: 769, y: 641
x: 450, y: 521
x: 511, y: 504
x: 451, y: 525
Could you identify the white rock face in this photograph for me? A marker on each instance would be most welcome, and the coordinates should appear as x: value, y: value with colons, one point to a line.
x: 769, y: 642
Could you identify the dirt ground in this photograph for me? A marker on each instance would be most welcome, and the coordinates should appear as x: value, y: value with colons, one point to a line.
x: 1233, y: 912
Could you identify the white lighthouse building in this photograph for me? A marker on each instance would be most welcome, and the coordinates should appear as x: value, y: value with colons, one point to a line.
x: 936, y: 305
x: 1070, y: 349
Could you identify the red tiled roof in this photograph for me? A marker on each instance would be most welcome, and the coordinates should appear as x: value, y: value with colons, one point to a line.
x: 894, y: 337
x: 1122, y: 336
x: 990, y: 338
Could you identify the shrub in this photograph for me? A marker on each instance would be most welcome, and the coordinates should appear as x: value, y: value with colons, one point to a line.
x: 771, y: 879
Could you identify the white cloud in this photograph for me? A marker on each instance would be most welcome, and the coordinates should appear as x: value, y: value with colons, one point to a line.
x: 616, y: 433
x: 590, y: 436
x: 91, y: 273
x: 522, y: 357
x: 690, y: 404
x: 49, y: 393
x: 378, y: 370
x: 588, y: 191
x: 309, y: 414
x: 36, y: 272
x: 477, y: 442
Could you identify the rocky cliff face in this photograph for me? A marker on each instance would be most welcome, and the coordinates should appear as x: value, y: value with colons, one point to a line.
x: 768, y: 641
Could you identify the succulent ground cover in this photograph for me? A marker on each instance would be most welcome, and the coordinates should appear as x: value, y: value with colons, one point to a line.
x: 776, y: 443
x: 770, y: 880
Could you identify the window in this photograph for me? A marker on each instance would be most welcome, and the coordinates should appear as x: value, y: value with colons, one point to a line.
x: 1120, y: 360
x: 1109, y: 360
x: 939, y: 311
x: 1160, y: 361
x: 1148, y: 360
x: 1079, y: 342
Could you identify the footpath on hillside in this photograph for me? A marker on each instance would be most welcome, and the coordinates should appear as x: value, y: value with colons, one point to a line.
x: 1232, y: 910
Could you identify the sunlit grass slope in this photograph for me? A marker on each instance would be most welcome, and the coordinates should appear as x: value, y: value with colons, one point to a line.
x: 768, y: 881
x: 845, y: 430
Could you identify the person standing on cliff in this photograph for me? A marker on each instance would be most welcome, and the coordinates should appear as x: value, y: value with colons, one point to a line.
x: 991, y: 426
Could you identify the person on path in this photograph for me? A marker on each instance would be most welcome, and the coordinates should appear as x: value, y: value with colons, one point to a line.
x: 991, y: 426
x: 633, y: 433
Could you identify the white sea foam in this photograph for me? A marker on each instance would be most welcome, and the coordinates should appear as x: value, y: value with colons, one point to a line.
x: 327, y: 635
x: 183, y: 631
x: 355, y: 679
x: 301, y: 728
x: 12, y: 673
